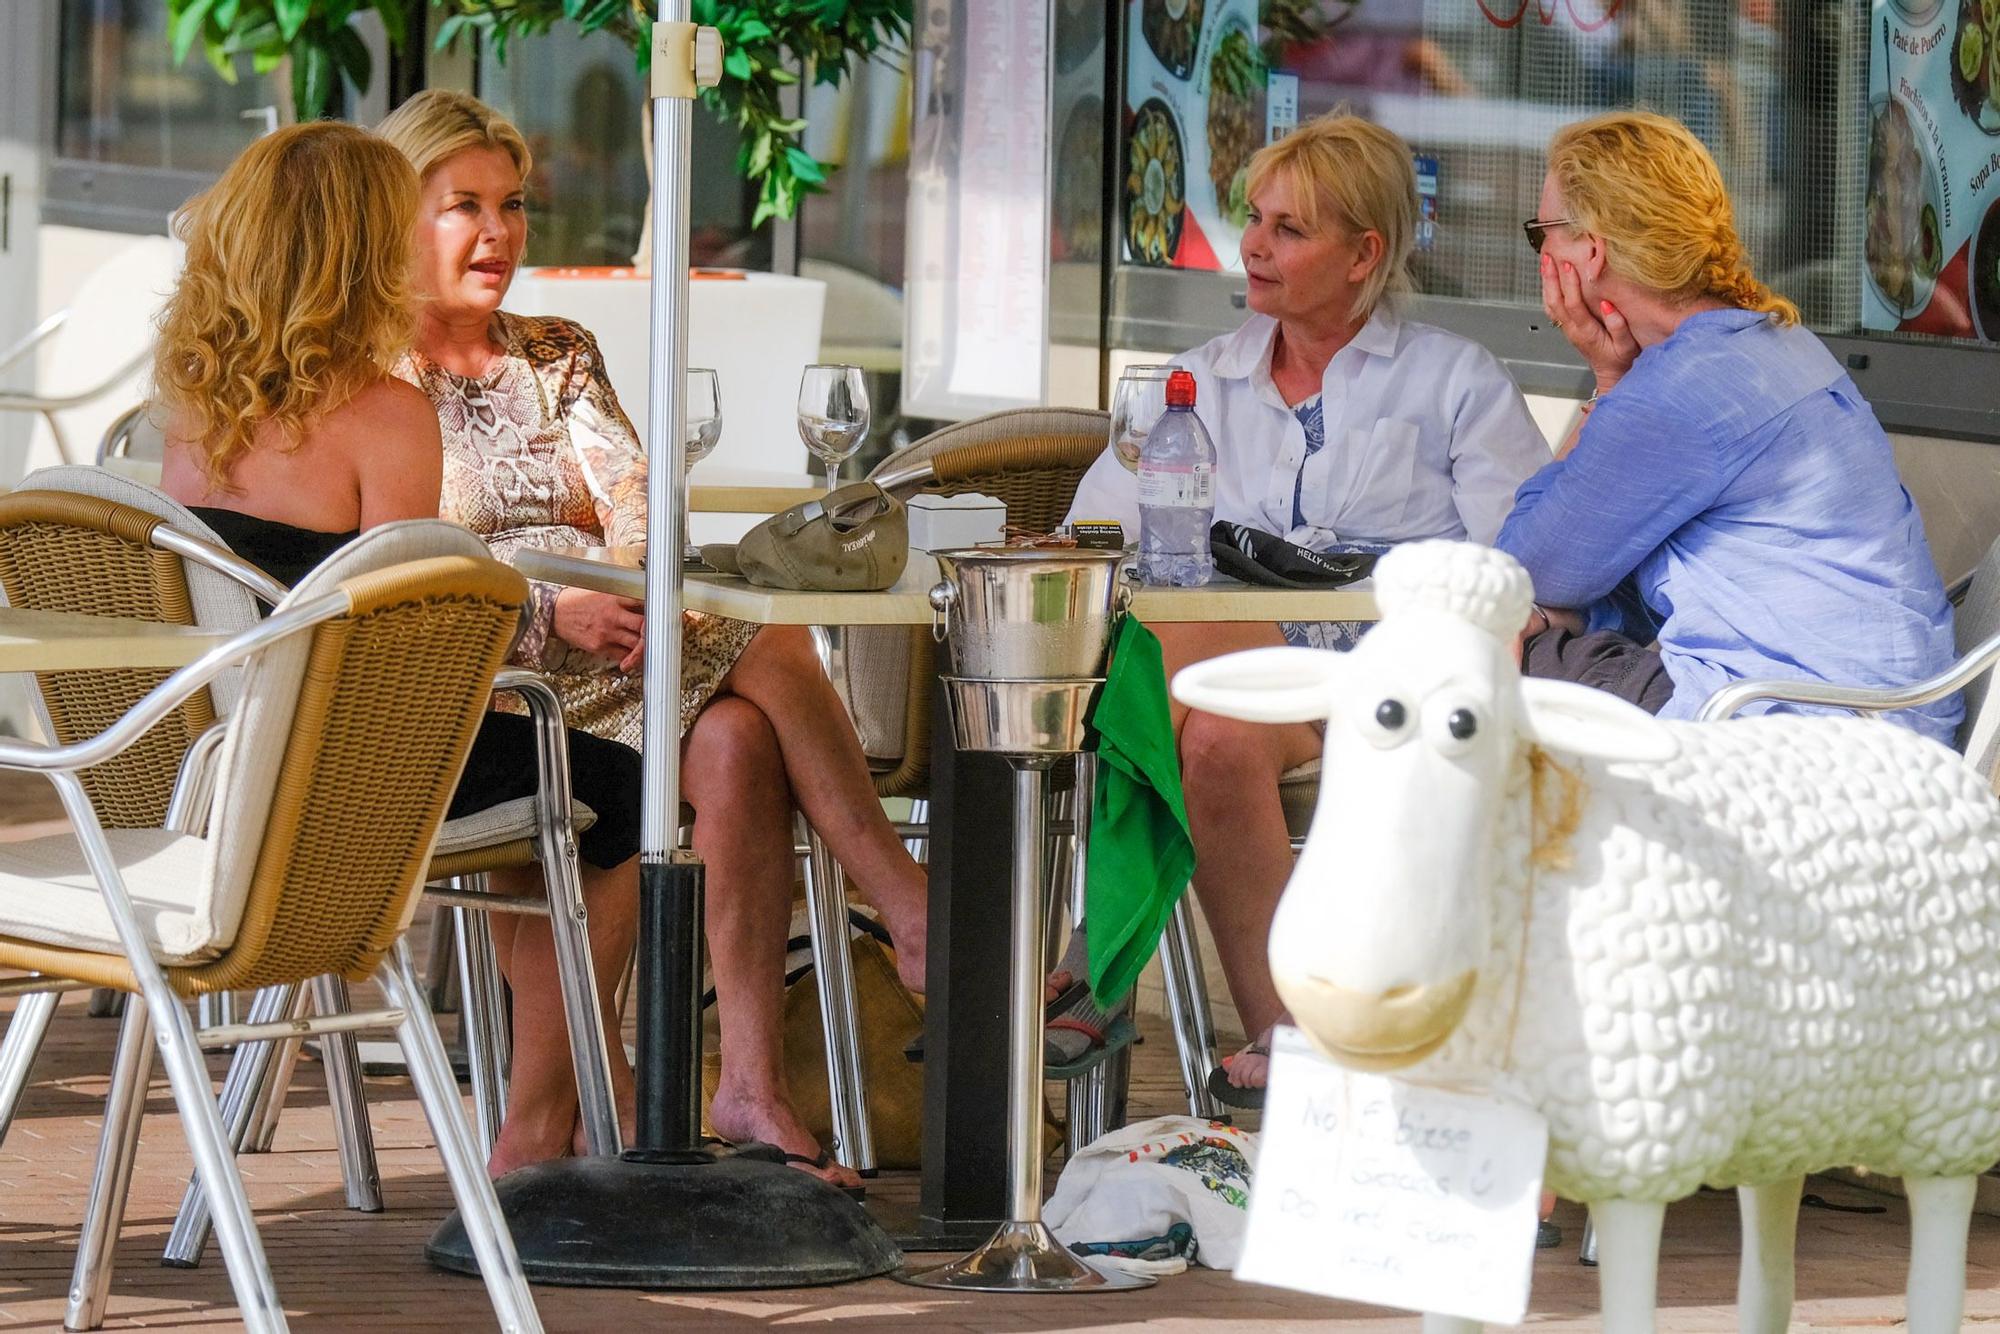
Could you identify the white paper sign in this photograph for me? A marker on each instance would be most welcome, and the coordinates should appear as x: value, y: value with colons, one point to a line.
x: 1394, y: 1194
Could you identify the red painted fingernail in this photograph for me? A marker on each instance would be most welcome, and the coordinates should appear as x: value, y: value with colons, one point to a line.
x: 1606, y: 305
x: 1567, y: 268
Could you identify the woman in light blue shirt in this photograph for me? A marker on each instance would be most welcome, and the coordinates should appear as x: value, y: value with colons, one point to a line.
x: 1335, y: 422
x: 1729, y: 492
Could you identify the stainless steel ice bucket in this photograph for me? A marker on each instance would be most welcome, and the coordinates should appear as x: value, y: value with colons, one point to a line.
x: 1019, y: 717
x: 1028, y: 614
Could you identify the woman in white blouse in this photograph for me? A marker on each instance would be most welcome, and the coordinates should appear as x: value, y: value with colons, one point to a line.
x: 1335, y: 423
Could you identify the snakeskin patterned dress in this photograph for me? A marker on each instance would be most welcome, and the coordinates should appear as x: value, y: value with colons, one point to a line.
x: 537, y: 453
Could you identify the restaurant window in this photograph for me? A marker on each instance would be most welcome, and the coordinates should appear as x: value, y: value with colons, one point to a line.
x: 136, y: 134
x: 1858, y: 142
x: 581, y: 104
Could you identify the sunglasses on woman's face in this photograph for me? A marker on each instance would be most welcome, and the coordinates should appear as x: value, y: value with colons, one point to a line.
x: 1538, y: 230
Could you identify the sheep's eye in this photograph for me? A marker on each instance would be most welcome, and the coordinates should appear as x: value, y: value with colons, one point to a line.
x: 1461, y: 724
x: 1391, y: 714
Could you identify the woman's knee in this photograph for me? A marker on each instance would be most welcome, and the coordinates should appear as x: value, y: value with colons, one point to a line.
x: 783, y: 652
x: 732, y: 750
x: 1220, y: 756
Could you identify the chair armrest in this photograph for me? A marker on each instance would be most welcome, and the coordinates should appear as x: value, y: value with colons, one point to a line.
x: 194, y: 787
x: 171, y: 693
x: 19, y: 402
x: 223, y: 561
x: 1731, y: 699
x: 31, y: 340
x: 551, y: 745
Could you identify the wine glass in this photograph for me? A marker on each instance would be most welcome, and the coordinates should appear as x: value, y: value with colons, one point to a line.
x: 833, y: 415
x: 704, y: 430
x: 1136, y: 403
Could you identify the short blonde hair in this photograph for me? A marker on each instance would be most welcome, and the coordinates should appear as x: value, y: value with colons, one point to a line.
x: 1646, y: 185
x: 295, y: 291
x: 438, y: 124
x: 1362, y: 175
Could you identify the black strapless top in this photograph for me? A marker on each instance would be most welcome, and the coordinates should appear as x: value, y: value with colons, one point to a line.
x: 283, y: 551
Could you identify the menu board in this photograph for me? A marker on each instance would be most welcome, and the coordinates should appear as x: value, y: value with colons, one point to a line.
x: 1932, y: 241
x: 1195, y: 110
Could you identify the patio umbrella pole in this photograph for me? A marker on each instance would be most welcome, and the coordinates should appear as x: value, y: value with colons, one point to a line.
x: 669, y: 1213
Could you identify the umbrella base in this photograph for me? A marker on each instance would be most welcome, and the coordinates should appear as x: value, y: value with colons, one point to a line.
x: 677, y: 1220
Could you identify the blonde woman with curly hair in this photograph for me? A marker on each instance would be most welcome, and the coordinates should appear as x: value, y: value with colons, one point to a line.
x: 288, y: 436
x: 1728, y: 491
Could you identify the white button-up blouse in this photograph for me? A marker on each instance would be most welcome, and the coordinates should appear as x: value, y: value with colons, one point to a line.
x: 1426, y: 436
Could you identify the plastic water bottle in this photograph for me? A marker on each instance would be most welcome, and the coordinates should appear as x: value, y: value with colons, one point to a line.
x: 1176, y: 493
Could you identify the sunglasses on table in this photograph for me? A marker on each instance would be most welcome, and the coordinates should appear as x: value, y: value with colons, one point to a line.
x: 1538, y: 230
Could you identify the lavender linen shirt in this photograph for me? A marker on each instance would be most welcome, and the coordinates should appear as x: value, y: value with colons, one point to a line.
x: 1737, y: 496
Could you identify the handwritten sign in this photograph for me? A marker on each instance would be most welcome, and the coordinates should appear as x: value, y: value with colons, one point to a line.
x: 1395, y: 1194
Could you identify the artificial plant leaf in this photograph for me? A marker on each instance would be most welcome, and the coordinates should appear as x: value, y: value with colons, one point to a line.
x: 292, y: 15
x: 186, y: 26
x: 350, y: 53
x: 395, y: 22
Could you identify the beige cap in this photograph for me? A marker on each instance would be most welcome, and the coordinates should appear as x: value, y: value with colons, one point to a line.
x: 855, y: 539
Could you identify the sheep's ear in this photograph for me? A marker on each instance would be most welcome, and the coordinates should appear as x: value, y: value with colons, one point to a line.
x: 1262, y: 685
x: 1562, y: 715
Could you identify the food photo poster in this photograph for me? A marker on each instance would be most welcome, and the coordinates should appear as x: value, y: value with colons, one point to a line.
x: 1932, y: 238
x: 1200, y: 99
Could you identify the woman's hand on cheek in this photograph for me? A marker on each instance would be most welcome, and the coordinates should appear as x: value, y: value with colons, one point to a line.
x: 1599, y: 332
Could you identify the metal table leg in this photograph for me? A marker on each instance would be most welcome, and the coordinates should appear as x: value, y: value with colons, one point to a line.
x: 1022, y: 1255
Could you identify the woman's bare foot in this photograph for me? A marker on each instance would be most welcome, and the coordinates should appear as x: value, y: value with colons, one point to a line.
x: 1250, y: 1068
x: 528, y: 1139
x: 740, y: 1116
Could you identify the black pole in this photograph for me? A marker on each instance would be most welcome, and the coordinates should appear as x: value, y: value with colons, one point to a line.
x: 669, y: 1003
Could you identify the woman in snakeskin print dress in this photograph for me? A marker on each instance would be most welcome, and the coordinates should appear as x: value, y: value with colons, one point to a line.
x: 538, y: 453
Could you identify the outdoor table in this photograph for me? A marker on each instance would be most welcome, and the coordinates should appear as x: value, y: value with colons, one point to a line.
x: 963, y: 1194
x: 63, y: 641
x: 725, y: 490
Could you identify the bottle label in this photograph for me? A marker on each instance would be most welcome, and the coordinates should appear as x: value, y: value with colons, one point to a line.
x: 1178, y: 488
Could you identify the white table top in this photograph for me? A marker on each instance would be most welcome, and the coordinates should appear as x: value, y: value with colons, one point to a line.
x: 617, y: 570
x: 59, y: 641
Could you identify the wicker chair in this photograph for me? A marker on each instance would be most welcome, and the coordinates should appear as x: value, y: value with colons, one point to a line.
x: 359, y: 700
x: 87, y: 539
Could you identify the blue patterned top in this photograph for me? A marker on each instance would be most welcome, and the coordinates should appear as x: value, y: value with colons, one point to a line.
x: 1312, y: 416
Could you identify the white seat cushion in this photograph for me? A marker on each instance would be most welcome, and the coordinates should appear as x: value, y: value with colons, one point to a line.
x: 500, y: 824
x: 47, y: 894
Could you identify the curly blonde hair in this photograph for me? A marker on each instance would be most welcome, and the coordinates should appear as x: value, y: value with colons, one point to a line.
x: 1645, y: 184
x: 438, y: 124
x: 1365, y: 176
x: 295, y: 294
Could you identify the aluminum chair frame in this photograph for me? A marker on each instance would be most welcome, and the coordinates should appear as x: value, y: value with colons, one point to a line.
x: 156, y: 1011
x: 261, y: 1093
x: 48, y: 405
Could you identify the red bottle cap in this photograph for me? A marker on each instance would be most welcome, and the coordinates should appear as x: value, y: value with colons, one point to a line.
x: 1180, y: 389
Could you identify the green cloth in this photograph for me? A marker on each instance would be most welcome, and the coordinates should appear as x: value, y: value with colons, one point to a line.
x: 1141, y: 853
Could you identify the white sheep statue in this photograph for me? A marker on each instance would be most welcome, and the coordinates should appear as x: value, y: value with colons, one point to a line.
x: 1723, y: 953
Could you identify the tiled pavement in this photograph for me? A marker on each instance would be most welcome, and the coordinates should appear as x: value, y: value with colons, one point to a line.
x: 340, y: 1270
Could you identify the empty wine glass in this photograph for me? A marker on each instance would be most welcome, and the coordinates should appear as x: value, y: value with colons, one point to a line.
x: 833, y: 415
x: 704, y: 431
x: 1136, y: 403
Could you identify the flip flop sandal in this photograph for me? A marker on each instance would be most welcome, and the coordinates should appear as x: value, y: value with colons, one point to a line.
x: 1235, y: 1095
x: 823, y: 1160
x: 913, y: 1050
x: 1119, y: 1032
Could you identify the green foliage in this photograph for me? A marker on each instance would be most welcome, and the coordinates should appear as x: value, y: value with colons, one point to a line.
x: 318, y: 35
x: 761, y: 40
